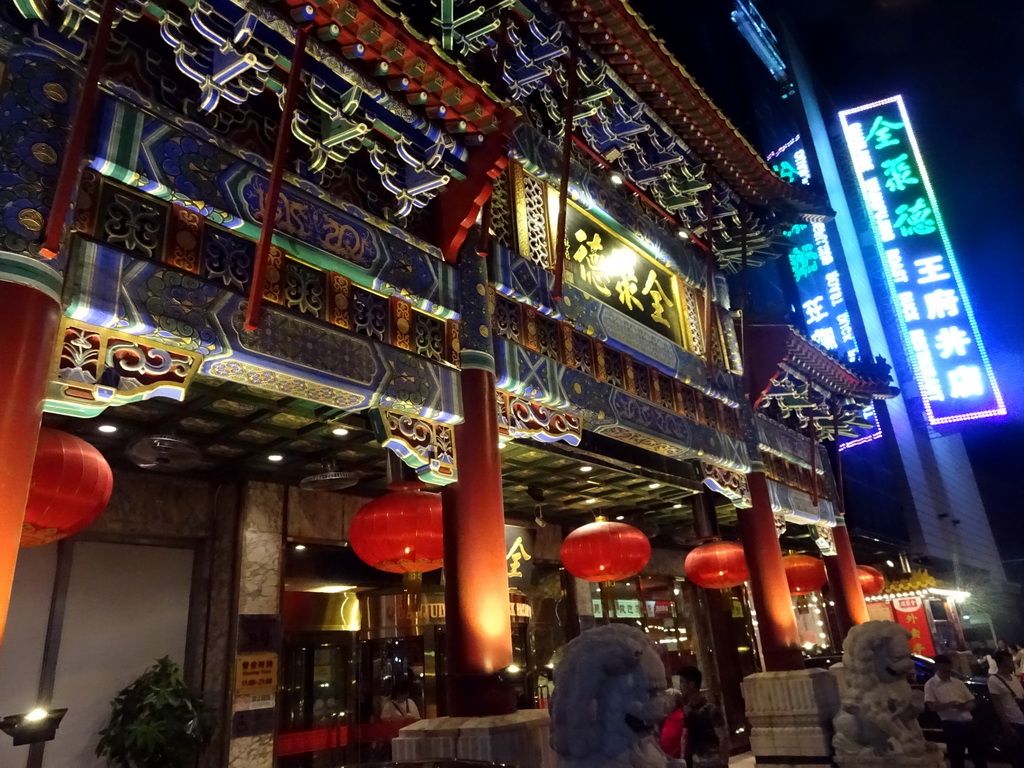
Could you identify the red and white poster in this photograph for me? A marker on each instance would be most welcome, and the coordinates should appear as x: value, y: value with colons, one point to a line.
x: 910, y: 613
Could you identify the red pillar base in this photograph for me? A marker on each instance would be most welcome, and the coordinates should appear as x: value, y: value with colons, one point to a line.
x: 769, y: 588
x: 479, y: 696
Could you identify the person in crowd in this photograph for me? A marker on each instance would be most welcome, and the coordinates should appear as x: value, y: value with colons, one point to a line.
x: 947, y: 696
x: 671, y: 736
x: 399, y: 705
x: 705, y: 741
x: 1007, y: 695
x: 988, y: 660
x: 1018, y: 659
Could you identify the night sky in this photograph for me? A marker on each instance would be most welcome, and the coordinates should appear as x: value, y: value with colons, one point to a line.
x: 960, y: 68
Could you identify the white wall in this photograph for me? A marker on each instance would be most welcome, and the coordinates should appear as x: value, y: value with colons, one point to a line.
x: 126, y: 607
x: 21, y: 654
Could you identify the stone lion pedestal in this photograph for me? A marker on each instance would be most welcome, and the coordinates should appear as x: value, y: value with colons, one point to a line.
x: 877, y: 720
x: 860, y: 714
x: 520, y: 739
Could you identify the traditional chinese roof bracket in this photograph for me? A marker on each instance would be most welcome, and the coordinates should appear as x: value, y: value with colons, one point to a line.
x: 794, y: 381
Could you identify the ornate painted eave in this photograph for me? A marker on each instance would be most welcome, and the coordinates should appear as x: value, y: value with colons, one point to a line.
x: 777, y: 347
x: 628, y: 45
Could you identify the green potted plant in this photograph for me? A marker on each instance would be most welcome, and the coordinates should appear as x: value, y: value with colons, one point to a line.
x: 156, y: 722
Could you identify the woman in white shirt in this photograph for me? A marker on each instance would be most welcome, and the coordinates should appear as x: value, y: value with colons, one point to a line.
x: 400, y: 706
x: 1007, y: 692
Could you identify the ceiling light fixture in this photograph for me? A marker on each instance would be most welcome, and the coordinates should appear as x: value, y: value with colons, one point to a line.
x: 591, y: 501
x: 339, y: 431
x: 586, y: 468
x: 616, y: 178
x: 275, y: 457
x: 652, y: 486
x: 108, y: 428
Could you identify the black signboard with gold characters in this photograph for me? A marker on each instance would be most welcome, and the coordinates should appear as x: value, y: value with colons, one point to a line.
x: 604, y: 266
x: 519, y: 544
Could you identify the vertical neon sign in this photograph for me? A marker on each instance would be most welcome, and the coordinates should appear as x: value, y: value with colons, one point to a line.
x: 940, y: 334
x: 818, y: 282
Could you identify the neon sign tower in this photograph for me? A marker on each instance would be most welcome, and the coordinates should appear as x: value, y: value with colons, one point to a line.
x: 937, y: 325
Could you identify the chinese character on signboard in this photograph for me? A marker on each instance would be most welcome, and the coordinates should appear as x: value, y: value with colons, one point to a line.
x: 818, y: 279
x: 256, y: 674
x: 519, y: 544
x: 603, y: 265
x: 940, y: 335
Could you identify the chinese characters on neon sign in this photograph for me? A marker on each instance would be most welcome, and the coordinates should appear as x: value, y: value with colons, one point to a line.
x: 939, y: 331
x: 816, y: 272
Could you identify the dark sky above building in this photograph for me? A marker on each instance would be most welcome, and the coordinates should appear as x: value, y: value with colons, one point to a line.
x: 960, y: 67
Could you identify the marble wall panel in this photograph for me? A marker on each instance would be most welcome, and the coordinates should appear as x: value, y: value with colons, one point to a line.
x: 321, y: 516
x: 251, y: 751
x: 150, y: 504
x: 260, y: 573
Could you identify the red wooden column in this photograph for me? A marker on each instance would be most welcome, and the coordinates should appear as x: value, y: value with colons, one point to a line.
x: 844, y: 584
x: 30, y: 317
x: 776, y: 623
x: 478, y: 629
x: 841, y: 568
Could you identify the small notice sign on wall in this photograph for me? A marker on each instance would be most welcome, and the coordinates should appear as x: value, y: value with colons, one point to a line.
x: 256, y: 674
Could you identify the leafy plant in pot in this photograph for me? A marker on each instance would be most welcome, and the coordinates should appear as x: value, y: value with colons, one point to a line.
x: 156, y: 722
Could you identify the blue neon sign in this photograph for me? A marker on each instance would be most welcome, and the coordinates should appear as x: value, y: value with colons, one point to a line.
x: 940, y: 334
x: 818, y: 281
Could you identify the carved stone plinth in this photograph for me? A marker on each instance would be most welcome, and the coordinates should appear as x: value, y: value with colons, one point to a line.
x: 520, y: 740
x: 790, y: 715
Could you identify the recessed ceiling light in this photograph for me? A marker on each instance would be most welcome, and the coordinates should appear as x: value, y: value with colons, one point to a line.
x: 108, y: 428
x: 300, y: 547
x: 339, y: 431
x: 621, y: 517
x: 652, y: 486
x: 616, y: 178
x: 586, y: 468
x: 591, y: 501
x: 890, y: 563
x: 677, y: 506
x: 275, y: 457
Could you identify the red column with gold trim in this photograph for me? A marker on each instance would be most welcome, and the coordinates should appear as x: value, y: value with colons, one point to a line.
x: 29, y: 317
x: 776, y: 623
x: 478, y: 629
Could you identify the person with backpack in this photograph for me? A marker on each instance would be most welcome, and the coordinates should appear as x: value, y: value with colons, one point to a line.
x: 1007, y: 694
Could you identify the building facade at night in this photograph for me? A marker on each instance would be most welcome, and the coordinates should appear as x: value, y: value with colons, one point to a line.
x: 313, y: 254
x: 847, y: 284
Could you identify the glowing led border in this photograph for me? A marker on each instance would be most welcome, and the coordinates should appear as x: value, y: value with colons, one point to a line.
x: 1000, y: 409
x: 876, y: 431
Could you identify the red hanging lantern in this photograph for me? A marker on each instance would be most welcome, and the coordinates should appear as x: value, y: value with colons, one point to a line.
x: 717, y: 565
x: 400, y: 532
x: 804, y: 574
x: 71, y: 486
x: 603, y: 551
x: 872, y: 582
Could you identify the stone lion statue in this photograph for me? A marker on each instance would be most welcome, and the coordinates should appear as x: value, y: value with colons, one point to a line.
x: 879, y: 709
x: 608, y: 698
